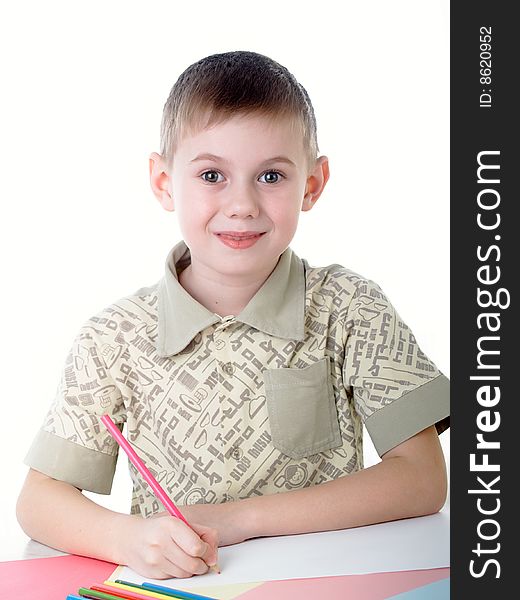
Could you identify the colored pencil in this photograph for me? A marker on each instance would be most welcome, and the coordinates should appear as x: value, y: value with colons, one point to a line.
x: 141, y: 467
x: 123, y: 593
x: 174, y: 593
x: 73, y: 597
x: 132, y: 587
x: 88, y: 593
x: 149, y: 478
x: 164, y: 591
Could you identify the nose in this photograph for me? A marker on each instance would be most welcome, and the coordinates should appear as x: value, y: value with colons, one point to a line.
x: 241, y: 202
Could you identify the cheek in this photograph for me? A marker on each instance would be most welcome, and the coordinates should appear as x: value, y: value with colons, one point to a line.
x: 285, y: 214
x: 192, y: 204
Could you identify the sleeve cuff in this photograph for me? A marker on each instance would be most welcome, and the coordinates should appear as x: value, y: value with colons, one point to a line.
x: 424, y: 406
x: 64, y: 460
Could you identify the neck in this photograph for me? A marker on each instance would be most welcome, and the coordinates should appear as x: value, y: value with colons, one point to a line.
x: 223, y: 295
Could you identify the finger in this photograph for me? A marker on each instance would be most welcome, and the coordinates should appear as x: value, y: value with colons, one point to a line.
x: 188, y: 539
x: 186, y: 548
x: 167, y: 571
x: 157, y: 565
x: 171, y: 569
x: 211, y: 537
x: 211, y: 555
x: 182, y: 564
x: 172, y: 561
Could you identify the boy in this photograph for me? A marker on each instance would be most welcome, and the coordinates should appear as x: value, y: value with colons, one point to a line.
x: 244, y: 375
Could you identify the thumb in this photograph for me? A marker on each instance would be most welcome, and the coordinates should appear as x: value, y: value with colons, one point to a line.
x: 208, y: 536
x: 207, y: 553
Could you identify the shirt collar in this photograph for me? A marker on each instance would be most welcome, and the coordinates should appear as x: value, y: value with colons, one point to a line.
x: 277, y: 308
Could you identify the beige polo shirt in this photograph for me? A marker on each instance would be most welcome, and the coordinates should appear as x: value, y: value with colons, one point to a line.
x: 220, y: 409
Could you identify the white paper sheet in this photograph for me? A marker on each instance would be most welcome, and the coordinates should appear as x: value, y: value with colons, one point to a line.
x: 410, y: 544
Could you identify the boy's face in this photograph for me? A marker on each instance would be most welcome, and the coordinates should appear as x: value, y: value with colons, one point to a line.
x: 255, y: 183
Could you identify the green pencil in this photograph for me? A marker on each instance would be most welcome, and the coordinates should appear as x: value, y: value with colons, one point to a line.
x: 86, y: 593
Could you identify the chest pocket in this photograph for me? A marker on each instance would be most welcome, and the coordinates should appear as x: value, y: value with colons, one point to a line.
x: 302, y: 409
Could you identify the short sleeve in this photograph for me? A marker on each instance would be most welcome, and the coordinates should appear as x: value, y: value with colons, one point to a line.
x: 73, y: 445
x: 396, y: 389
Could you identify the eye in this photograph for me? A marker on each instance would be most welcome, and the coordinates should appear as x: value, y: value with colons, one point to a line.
x: 212, y: 176
x: 272, y: 176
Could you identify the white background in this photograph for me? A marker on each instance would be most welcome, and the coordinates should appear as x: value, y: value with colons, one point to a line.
x: 84, y: 85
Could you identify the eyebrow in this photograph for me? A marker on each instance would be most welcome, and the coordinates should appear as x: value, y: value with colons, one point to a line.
x: 214, y: 157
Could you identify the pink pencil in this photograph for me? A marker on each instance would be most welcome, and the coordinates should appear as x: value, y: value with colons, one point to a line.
x: 141, y: 467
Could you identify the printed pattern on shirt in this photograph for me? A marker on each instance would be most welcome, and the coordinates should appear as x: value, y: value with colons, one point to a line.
x: 199, y: 419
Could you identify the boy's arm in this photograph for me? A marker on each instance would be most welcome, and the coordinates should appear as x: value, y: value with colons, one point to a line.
x: 59, y: 515
x: 410, y: 481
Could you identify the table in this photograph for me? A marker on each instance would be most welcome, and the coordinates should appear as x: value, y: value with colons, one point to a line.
x: 248, y: 568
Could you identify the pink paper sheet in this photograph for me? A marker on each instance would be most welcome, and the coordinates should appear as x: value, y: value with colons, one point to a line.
x: 50, y: 578
x: 373, y: 586
x: 54, y: 578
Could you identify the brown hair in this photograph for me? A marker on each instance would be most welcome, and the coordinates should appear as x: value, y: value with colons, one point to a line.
x: 220, y: 86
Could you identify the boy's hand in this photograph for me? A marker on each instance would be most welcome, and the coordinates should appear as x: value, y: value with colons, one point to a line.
x: 165, y: 547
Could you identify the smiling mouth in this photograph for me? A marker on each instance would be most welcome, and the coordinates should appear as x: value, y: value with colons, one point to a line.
x: 240, y: 236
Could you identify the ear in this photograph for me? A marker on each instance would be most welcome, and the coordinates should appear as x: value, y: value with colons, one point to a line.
x: 316, y: 182
x: 160, y: 181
